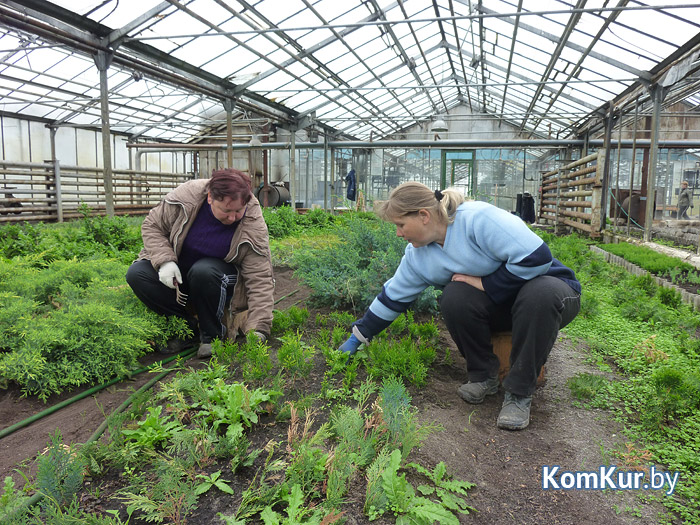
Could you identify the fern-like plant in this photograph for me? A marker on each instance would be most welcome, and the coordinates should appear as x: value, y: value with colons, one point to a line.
x: 60, y: 471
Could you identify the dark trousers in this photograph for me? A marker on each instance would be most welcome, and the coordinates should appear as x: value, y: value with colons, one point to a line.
x: 542, y: 306
x: 683, y: 212
x: 209, y: 285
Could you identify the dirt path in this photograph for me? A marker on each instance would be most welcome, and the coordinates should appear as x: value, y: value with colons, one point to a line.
x: 505, y: 466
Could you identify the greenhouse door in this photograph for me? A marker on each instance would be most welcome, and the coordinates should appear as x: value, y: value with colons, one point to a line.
x: 460, y: 166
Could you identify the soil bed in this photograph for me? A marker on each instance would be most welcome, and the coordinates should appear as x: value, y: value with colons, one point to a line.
x: 506, y: 467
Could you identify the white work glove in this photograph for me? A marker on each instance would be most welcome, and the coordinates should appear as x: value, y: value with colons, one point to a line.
x: 168, y: 273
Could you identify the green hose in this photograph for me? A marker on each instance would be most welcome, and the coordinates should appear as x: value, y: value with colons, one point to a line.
x: 38, y: 496
x: 9, y: 430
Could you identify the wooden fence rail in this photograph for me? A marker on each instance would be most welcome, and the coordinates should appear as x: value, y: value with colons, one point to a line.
x: 577, y: 185
x: 50, y: 192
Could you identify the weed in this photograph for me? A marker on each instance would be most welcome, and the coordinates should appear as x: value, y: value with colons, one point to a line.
x: 213, y: 480
x: 400, y: 498
x: 587, y: 386
x: 262, y: 491
x: 11, y: 502
x: 152, y: 431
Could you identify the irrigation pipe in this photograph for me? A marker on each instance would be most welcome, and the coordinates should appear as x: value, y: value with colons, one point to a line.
x: 285, y: 296
x: 9, y: 430
x: 38, y: 496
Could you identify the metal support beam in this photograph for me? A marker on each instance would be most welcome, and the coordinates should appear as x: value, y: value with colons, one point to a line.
x: 292, y: 170
x: 102, y: 60
x: 657, y: 95
x: 228, y: 106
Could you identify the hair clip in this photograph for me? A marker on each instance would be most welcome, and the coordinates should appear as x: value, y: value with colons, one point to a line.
x: 438, y: 195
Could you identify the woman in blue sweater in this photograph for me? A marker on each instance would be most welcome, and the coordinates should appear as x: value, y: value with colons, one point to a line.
x: 495, y: 274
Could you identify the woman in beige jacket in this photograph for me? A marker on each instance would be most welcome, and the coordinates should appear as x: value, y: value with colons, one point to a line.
x: 206, y: 244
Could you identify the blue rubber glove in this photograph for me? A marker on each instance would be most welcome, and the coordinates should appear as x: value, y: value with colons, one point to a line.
x: 351, y: 345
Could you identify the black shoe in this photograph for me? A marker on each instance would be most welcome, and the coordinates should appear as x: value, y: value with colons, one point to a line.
x: 177, y: 345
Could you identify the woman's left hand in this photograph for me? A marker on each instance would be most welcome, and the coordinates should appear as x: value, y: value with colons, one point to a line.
x: 469, y: 279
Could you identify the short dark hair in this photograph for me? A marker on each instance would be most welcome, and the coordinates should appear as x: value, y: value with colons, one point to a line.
x: 230, y: 183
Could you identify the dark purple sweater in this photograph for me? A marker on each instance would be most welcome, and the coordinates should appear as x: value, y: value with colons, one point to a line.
x: 208, y: 237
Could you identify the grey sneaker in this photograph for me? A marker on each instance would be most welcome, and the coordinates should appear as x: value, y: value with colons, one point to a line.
x: 475, y: 392
x: 515, y: 412
x: 204, y: 350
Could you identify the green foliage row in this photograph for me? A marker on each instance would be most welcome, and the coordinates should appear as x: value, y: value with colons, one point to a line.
x: 647, y: 259
x: 349, y: 273
x: 647, y: 336
x: 114, y: 237
x: 172, y: 448
x: 72, y: 323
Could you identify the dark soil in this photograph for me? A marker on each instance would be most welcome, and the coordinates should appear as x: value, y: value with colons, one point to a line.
x: 506, y: 467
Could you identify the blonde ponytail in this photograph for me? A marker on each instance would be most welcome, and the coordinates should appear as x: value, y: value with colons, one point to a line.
x: 410, y: 197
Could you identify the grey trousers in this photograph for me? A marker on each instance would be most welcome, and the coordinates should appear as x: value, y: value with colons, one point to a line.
x: 541, y: 307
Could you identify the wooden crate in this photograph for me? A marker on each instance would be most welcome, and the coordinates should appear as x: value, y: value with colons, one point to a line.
x: 502, y: 343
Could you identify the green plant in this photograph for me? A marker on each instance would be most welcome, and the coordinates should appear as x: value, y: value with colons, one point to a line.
x: 12, y: 502
x: 294, y: 356
x: 400, y: 418
x: 587, y: 386
x: 296, y: 512
x: 209, y: 481
x: 307, y: 457
x: 232, y: 406
x: 406, y: 358
x: 152, y: 431
x: 646, y: 258
x: 371, y: 253
x: 168, y: 496
x: 450, y: 492
x: 293, y: 318
x: 262, y: 491
x: 255, y: 355
x: 399, y: 498
x: 60, y: 471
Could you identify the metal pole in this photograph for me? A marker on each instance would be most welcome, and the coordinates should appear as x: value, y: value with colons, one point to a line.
x: 292, y: 171
x: 617, y: 174
x: 332, y: 203
x: 102, y: 61
x: 228, y: 106
x: 634, y: 162
x: 325, y: 171
x: 657, y: 93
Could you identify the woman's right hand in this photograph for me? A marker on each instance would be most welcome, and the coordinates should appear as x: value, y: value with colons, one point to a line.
x: 168, y: 273
x: 469, y: 279
x: 351, y: 345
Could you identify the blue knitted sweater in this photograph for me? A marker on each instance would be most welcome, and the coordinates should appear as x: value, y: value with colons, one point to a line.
x: 484, y: 241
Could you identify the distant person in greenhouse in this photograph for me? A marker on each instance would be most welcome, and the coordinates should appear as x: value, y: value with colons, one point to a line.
x: 495, y: 275
x: 685, y: 200
x: 206, y: 244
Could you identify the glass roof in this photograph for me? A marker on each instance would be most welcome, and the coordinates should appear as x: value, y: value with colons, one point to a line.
x: 361, y: 69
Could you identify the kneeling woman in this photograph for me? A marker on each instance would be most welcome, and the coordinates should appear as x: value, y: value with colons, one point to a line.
x: 495, y: 274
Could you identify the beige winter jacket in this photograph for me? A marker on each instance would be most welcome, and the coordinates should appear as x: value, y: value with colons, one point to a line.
x: 166, y: 226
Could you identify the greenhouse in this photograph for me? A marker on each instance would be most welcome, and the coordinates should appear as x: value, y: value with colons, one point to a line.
x: 284, y: 261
